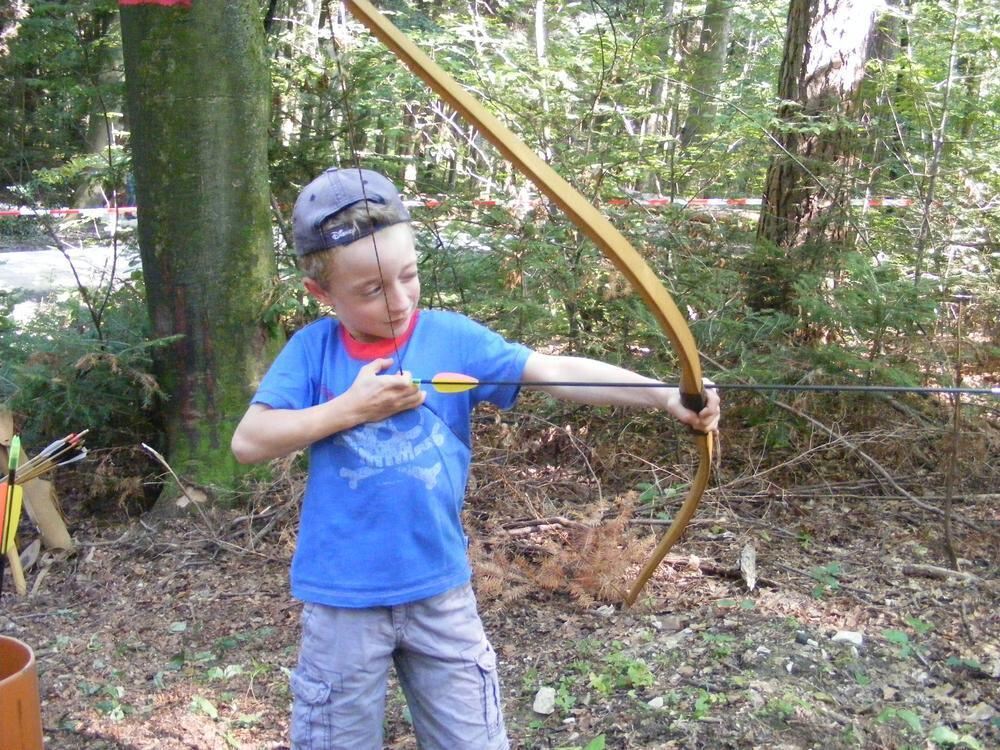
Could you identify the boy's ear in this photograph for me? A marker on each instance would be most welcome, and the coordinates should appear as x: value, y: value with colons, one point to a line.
x: 316, y: 289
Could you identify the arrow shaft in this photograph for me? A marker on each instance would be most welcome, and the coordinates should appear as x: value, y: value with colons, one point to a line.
x: 723, y: 386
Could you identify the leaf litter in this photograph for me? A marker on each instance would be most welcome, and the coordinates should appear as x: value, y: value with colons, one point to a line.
x: 162, y: 635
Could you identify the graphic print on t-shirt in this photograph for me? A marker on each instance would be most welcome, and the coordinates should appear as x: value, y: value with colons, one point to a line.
x: 402, y: 443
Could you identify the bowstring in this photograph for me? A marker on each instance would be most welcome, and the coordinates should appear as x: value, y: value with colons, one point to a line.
x: 355, y: 158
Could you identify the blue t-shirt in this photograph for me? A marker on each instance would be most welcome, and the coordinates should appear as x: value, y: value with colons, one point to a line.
x: 381, y: 518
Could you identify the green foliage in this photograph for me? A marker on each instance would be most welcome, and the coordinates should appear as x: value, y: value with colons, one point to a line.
x: 703, y: 702
x: 721, y: 644
x: 827, y: 578
x: 782, y: 708
x: 59, y: 377
x: 910, y: 719
x: 53, y: 80
x: 109, y: 700
x: 905, y: 648
x: 107, y: 172
x: 947, y: 737
x: 621, y: 671
x: 857, y: 306
x: 565, y: 698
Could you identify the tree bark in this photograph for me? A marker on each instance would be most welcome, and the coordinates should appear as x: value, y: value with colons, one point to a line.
x: 104, y: 120
x: 197, y: 96
x: 807, y: 190
x: 656, y: 123
x: 707, y: 66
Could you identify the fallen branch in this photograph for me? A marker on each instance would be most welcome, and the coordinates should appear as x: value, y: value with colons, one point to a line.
x: 943, y: 574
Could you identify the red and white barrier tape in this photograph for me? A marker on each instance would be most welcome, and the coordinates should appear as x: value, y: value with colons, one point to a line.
x: 100, y: 213
x: 89, y: 213
x: 683, y: 202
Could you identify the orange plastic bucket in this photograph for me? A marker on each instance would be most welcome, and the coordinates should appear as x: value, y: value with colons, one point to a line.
x: 20, y: 707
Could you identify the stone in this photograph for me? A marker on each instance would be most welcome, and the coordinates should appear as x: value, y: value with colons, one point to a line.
x: 848, y: 636
x: 545, y: 701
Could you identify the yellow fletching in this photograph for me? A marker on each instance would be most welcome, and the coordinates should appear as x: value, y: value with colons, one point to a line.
x: 451, y: 382
x: 10, y: 515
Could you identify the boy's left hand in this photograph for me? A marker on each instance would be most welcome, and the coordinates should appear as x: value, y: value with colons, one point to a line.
x: 706, y: 420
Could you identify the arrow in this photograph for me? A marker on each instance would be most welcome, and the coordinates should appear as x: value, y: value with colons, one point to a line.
x: 10, y: 512
x: 454, y: 382
x: 61, y: 452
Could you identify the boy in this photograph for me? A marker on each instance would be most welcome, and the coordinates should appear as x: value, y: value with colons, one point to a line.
x: 380, y: 561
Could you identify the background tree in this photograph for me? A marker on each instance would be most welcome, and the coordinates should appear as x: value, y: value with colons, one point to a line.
x: 807, y: 187
x: 100, y: 44
x: 199, y: 148
x: 708, y: 63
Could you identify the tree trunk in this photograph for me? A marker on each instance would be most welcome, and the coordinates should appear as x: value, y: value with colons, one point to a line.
x: 104, y: 120
x: 653, y: 128
x: 707, y: 66
x: 827, y: 44
x: 197, y: 95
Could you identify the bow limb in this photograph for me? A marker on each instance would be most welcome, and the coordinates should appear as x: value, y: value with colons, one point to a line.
x: 680, y: 522
x: 611, y: 242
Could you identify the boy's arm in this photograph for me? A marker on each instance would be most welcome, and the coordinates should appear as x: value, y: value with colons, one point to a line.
x: 545, y: 367
x: 265, y: 433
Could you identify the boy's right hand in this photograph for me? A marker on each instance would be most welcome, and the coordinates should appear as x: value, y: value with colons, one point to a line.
x: 265, y: 433
x: 376, y: 397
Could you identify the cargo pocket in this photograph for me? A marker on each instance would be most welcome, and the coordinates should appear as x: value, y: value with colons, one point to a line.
x: 312, y: 712
x: 485, y: 660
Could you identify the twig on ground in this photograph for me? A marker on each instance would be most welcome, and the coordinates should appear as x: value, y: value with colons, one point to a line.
x: 935, y: 571
x: 879, y: 468
x: 214, y: 534
x: 856, y: 593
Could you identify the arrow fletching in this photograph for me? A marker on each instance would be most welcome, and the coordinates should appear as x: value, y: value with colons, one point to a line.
x: 60, y: 453
x: 15, y: 455
x: 10, y: 513
x: 449, y: 382
x: 67, y: 450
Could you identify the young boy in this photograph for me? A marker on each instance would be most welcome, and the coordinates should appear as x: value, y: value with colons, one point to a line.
x: 380, y: 561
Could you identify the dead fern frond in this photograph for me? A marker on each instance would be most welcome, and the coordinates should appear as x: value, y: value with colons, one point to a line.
x: 589, y: 561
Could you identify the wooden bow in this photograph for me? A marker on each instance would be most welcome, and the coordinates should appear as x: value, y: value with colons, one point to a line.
x: 611, y: 242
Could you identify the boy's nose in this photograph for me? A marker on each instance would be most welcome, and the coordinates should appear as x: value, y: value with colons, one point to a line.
x: 399, y: 301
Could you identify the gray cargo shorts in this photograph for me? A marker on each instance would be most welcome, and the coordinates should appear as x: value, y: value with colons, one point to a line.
x: 446, y: 668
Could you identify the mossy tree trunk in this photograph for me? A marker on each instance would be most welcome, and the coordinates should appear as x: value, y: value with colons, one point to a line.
x: 197, y: 93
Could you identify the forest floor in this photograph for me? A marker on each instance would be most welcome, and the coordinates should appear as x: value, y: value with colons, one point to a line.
x: 856, y: 634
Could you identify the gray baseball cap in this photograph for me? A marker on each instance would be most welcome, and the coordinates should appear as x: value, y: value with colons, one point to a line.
x: 329, y: 194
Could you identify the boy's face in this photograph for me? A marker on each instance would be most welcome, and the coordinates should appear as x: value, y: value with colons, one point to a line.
x: 370, y: 304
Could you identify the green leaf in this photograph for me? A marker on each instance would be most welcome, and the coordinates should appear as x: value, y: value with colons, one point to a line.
x: 948, y: 737
x: 886, y: 715
x: 920, y: 626
x: 899, y: 637
x: 911, y: 719
x: 960, y: 663
x: 204, y: 706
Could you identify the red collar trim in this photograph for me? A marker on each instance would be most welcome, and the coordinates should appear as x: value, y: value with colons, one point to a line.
x: 365, y: 350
